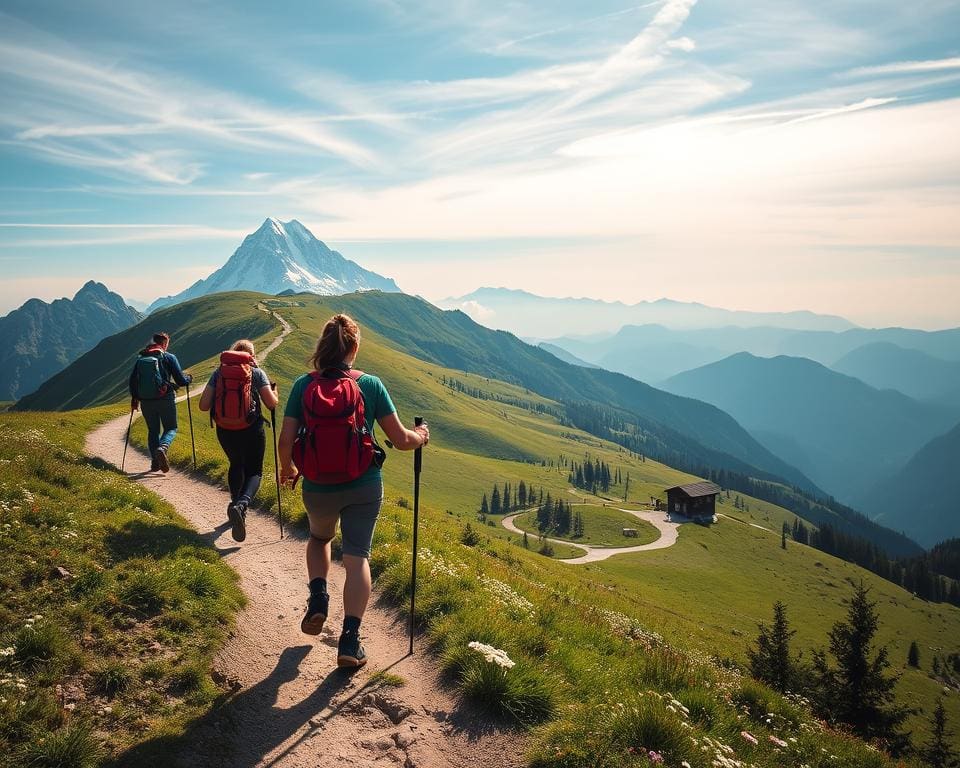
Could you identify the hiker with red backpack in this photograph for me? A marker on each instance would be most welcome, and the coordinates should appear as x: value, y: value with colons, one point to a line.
x: 235, y: 395
x: 327, y: 439
x: 153, y: 383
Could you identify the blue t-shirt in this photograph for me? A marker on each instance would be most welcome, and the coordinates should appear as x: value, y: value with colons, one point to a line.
x: 376, y: 405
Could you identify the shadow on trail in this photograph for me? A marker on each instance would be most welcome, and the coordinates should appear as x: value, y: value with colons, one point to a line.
x: 243, y: 727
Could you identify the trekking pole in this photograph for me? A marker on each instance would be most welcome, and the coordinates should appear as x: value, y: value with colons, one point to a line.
x: 126, y: 442
x: 193, y: 445
x: 276, y: 467
x: 417, y: 465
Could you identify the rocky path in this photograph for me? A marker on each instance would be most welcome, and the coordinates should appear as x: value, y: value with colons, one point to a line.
x: 668, y: 537
x: 289, y: 706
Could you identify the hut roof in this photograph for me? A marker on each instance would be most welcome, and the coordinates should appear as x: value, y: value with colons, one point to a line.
x: 696, y: 490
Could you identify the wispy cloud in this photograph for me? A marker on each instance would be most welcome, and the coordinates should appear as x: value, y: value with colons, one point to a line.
x: 904, y: 67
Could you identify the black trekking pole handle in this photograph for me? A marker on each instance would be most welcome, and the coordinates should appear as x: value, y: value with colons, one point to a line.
x: 193, y: 445
x: 276, y: 465
x: 417, y: 466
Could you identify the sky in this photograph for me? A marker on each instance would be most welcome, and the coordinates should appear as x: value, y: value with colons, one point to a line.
x: 766, y: 156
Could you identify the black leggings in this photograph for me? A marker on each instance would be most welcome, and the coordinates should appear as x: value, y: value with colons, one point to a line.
x: 244, y: 449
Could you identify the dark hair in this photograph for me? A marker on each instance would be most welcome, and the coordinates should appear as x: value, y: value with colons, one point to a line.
x: 161, y: 338
x: 340, y: 335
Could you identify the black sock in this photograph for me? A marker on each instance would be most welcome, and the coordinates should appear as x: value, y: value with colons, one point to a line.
x: 318, y: 586
x: 351, y: 624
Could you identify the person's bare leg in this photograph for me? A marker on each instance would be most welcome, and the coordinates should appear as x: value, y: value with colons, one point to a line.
x: 357, y: 587
x: 318, y: 559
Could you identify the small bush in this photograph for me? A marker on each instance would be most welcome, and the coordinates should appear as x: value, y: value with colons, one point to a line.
x: 147, y: 591
x: 469, y: 536
x: 40, y: 645
x: 70, y: 747
x: 646, y: 724
x: 520, y: 693
x: 112, y: 678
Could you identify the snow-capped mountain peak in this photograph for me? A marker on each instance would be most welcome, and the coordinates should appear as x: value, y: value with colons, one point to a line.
x: 283, y: 256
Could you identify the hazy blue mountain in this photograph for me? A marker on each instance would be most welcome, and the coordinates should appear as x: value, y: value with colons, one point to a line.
x: 922, y: 498
x: 564, y: 355
x: 885, y: 365
x: 545, y: 318
x: 281, y: 256
x: 842, y: 433
x: 654, y: 353
x: 39, y: 339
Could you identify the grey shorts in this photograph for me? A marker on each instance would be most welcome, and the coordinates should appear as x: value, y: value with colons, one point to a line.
x: 357, y: 510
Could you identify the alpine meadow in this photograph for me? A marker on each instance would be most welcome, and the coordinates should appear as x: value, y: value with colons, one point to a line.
x: 614, y: 422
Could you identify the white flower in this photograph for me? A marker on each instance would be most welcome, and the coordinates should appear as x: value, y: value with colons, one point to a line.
x: 492, y: 655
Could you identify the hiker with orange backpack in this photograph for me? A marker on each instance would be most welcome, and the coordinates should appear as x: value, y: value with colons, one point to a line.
x: 235, y: 395
x: 327, y: 438
x: 153, y: 382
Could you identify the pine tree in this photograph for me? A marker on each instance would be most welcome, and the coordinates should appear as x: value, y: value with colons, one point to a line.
x: 913, y: 655
x: 526, y: 541
x: 937, y: 753
x: 484, y: 507
x: 857, y: 691
x: 770, y: 661
x: 495, y: 501
x: 522, y: 495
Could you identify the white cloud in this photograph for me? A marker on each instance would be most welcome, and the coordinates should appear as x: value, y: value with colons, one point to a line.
x: 684, y: 44
x: 905, y: 67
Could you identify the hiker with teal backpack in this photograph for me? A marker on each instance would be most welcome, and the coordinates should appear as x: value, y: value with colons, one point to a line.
x: 327, y: 439
x: 235, y: 395
x: 153, y: 384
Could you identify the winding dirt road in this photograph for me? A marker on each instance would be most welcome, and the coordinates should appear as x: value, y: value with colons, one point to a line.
x: 668, y: 537
x: 289, y: 706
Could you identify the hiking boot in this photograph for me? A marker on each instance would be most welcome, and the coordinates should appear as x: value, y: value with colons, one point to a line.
x: 316, y: 613
x: 154, y: 466
x: 237, y: 515
x: 350, y: 654
x: 161, y: 456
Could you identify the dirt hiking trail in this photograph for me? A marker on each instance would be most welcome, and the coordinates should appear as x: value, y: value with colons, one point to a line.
x: 289, y: 706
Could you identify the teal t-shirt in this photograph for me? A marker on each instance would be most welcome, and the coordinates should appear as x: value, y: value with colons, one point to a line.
x: 376, y: 405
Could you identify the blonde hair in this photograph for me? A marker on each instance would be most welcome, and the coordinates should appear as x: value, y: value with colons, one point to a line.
x: 340, y: 335
x: 243, y: 345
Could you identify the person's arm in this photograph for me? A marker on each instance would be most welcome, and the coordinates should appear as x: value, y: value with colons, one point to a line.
x: 134, y: 400
x: 180, y: 378
x: 206, y: 398
x: 288, y: 433
x: 402, y: 438
x: 269, y: 396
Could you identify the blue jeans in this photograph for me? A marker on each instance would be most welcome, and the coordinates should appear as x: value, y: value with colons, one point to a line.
x: 160, y: 414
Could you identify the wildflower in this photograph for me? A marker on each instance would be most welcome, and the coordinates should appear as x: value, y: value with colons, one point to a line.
x: 747, y: 736
x: 492, y: 655
x: 774, y: 740
x: 684, y: 764
x: 655, y: 757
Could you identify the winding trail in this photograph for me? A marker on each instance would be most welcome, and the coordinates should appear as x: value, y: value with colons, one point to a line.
x: 659, y: 520
x: 288, y: 706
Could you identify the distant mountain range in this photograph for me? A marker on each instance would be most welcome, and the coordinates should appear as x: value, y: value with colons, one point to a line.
x: 923, y: 498
x: 654, y: 353
x: 39, y: 339
x: 922, y: 376
x: 281, y: 256
x: 842, y: 433
x: 528, y: 315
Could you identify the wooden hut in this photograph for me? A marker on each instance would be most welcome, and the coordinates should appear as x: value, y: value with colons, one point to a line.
x: 696, y: 501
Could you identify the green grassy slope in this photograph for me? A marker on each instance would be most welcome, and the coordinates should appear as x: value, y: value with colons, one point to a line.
x: 705, y: 594
x: 117, y: 646
x: 198, y: 329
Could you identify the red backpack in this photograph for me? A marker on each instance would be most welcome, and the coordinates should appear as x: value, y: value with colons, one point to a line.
x: 333, y: 445
x: 233, y: 404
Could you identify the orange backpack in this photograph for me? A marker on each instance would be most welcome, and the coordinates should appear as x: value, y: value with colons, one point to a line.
x: 234, y: 406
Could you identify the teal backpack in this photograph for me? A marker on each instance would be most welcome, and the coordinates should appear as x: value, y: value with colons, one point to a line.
x: 151, y: 377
